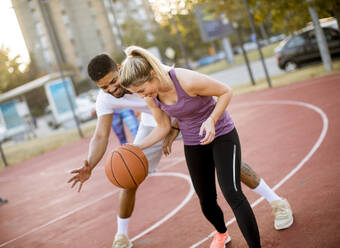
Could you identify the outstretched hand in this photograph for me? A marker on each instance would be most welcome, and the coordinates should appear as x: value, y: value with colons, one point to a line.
x: 82, y: 175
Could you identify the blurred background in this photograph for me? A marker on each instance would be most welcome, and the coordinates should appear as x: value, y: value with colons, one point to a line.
x: 45, y: 46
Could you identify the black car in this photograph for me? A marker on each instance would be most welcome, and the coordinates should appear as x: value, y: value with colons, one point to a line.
x: 302, y: 48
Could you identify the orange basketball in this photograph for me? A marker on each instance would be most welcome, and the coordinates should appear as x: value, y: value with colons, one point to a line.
x: 126, y: 167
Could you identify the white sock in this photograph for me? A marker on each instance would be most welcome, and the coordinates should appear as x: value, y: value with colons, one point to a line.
x: 122, y: 225
x: 264, y: 190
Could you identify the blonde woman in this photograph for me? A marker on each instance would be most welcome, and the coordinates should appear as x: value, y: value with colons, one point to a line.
x: 210, y: 139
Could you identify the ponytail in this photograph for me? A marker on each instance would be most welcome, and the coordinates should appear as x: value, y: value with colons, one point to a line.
x: 137, y: 66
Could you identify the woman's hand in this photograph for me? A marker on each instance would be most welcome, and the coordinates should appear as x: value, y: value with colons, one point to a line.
x: 168, y: 140
x: 208, y: 127
x: 82, y: 175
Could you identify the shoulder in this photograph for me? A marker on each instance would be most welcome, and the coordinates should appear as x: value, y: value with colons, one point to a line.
x: 188, y: 79
x: 105, y: 98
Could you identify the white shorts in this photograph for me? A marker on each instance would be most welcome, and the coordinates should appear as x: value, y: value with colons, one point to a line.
x: 153, y: 153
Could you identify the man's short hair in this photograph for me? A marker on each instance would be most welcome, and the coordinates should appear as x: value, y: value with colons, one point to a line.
x: 101, y: 65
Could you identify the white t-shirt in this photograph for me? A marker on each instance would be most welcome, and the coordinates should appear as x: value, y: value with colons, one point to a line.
x: 106, y: 104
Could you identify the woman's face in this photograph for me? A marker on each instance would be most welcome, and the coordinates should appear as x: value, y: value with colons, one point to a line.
x: 146, y: 89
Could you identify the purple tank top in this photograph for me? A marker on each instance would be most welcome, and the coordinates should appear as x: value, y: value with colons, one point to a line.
x: 191, y: 112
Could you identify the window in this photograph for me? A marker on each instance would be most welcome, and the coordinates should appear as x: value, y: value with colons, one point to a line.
x: 331, y: 34
x: 44, y: 42
x: 47, y: 57
x: 39, y: 29
x: 311, y: 37
x: 296, y: 41
x: 66, y: 19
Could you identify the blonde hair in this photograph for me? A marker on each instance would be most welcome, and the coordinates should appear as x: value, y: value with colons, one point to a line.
x: 137, y: 66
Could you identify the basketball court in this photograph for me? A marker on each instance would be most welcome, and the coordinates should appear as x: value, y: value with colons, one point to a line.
x: 289, y: 135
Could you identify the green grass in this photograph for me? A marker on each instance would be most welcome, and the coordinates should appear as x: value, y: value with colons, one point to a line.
x: 19, y: 152
x: 267, y: 51
x: 287, y: 78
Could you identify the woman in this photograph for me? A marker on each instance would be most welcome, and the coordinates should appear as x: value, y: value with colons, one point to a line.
x: 210, y: 138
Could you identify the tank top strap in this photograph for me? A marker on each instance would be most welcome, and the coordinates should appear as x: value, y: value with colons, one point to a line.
x: 179, y: 90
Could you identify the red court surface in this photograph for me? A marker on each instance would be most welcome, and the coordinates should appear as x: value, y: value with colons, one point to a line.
x: 289, y: 135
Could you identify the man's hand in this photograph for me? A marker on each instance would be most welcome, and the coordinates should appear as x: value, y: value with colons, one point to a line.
x: 81, y: 176
x: 168, y: 140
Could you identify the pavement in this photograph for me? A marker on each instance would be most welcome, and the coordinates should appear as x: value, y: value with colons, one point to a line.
x: 238, y: 75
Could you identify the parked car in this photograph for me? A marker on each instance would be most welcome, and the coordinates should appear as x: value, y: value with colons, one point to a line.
x: 207, y: 60
x: 302, y: 48
x: 277, y: 38
x: 85, y: 107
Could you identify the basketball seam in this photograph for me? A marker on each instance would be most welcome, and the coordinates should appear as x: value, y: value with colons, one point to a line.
x: 112, y: 170
x: 145, y: 172
x: 127, y: 168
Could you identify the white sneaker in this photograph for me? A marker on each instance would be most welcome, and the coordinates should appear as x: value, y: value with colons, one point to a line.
x: 283, y: 214
x: 121, y: 241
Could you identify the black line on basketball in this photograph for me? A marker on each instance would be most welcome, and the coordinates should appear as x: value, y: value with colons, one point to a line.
x: 127, y: 168
x: 126, y: 149
x: 112, y: 170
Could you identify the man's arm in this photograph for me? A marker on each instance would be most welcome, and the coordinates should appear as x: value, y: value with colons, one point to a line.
x: 97, y: 149
x: 99, y: 140
x: 170, y: 138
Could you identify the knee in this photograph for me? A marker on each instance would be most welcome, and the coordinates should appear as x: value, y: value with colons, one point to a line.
x: 234, y: 198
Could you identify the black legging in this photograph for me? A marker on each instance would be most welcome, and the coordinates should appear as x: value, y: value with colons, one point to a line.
x: 224, y: 154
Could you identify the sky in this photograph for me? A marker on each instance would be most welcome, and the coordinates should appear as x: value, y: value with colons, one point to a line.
x: 10, y: 33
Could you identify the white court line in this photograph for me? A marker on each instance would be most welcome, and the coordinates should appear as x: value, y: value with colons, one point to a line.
x: 173, y: 212
x: 58, y: 218
x: 298, y: 167
x: 174, y: 161
x: 80, y: 208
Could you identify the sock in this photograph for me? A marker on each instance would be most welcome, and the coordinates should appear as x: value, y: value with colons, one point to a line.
x: 264, y: 190
x: 122, y: 225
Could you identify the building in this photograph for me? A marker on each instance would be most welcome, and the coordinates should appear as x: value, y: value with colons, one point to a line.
x: 75, y: 30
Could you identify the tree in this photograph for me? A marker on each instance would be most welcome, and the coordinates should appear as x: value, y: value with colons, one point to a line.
x: 182, y: 12
x: 133, y: 33
x: 10, y: 74
x: 282, y: 15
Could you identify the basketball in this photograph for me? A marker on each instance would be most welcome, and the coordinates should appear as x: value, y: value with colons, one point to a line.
x: 126, y: 167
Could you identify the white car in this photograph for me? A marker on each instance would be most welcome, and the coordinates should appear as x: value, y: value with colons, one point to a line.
x: 86, y: 108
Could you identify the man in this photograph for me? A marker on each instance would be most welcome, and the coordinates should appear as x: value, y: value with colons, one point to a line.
x: 127, y: 116
x: 104, y: 72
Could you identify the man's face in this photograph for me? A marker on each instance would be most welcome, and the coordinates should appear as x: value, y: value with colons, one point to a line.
x: 110, y: 84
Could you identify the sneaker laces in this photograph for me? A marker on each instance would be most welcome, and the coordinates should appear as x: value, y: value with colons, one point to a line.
x: 121, y: 240
x: 280, y: 212
x: 219, y: 237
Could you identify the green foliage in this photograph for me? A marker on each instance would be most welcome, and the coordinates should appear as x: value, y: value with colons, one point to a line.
x: 10, y: 75
x: 133, y: 33
x: 189, y: 31
x: 281, y: 16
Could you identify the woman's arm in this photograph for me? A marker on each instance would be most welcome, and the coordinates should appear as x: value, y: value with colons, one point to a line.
x: 159, y: 132
x: 195, y: 84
